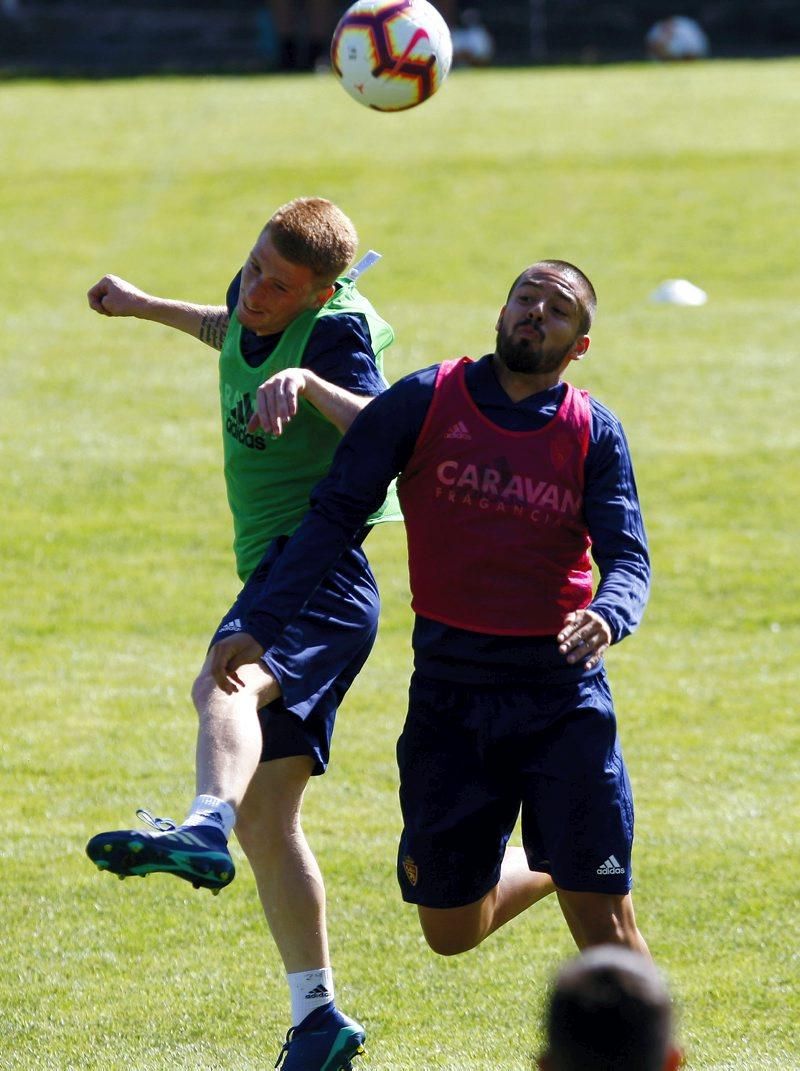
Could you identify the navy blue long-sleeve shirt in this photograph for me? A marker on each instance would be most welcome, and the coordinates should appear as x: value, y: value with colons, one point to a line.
x: 377, y: 448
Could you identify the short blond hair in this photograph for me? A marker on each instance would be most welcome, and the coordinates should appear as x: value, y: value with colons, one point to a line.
x: 313, y: 232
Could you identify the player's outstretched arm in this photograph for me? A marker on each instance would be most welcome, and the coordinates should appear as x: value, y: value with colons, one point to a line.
x: 112, y: 296
x: 277, y: 401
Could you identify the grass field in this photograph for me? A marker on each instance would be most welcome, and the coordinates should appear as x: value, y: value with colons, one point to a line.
x: 115, y: 559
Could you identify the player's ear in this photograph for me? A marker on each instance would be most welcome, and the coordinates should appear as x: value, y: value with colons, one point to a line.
x: 323, y: 295
x: 500, y: 315
x: 579, y: 349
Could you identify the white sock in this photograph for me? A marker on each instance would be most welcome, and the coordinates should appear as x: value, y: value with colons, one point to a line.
x: 210, y: 811
x: 309, y: 990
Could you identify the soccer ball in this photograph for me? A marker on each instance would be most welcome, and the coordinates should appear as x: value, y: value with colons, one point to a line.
x: 391, y: 55
x: 677, y: 38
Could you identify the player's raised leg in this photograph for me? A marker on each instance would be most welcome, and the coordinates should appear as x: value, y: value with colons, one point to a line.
x: 228, y: 753
x: 452, y: 930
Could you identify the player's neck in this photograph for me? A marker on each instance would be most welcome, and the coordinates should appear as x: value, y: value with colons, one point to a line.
x: 521, y: 385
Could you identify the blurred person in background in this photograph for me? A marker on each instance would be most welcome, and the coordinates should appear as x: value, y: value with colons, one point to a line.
x: 609, y: 1010
x: 304, y: 31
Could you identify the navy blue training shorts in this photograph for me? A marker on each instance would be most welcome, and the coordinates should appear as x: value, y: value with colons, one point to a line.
x: 471, y: 757
x: 316, y: 658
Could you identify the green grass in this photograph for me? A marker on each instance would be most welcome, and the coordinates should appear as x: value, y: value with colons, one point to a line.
x: 115, y: 560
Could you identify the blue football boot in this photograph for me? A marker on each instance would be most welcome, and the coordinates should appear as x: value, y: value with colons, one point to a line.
x: 198, y: 854
x: 326, y: 1040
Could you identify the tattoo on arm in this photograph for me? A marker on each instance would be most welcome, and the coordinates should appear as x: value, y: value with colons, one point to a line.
x: 214, y: 327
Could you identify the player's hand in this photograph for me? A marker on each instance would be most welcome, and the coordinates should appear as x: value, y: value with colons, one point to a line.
x: 238, y: 649
x: 115, y: 297
x: 277, y: 400
x: 585, y: 637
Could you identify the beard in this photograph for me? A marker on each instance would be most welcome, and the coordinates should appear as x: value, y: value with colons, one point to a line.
x: 528, y: 355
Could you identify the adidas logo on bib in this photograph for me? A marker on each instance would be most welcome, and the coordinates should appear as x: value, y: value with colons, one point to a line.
x: 458, y: 431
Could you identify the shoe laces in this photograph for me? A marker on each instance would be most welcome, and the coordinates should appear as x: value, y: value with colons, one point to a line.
x: 282, y: 1054
x: 285, y: 1049
x: 163, y: 825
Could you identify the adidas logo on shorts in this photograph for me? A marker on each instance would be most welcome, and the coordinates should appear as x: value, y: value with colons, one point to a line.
x: 232, y: 626
x: 610, y: 866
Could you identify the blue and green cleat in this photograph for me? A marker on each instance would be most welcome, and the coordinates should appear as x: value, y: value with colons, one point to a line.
x: 326, y: 1040
x: 198, y: 854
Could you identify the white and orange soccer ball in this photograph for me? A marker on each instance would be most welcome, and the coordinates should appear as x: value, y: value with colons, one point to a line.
x: 391, y: 54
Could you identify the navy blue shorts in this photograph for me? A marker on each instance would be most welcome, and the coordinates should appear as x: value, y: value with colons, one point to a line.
x: 471, y: 757
x: 316, y: 658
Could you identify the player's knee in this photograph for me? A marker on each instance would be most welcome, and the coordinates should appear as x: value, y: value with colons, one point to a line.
x: 447, y: 945
x: 454, y: 944
x: 250, y: 833
x: 255, y: 824
x: 445, y: 939
x: 201, y: 690
x: 268, y: 837
x: 269, y: 814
